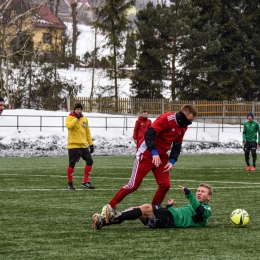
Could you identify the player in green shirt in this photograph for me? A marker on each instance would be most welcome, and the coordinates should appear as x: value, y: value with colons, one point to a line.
x: 251, y: 128
x: 194, y: 214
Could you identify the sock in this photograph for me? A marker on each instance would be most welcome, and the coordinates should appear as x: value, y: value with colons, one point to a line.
x: 130, y: 214
x: 87, y: 172
x: 70, y: 174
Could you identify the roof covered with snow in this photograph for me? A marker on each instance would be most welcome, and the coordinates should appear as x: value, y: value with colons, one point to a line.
x: 45, y: 18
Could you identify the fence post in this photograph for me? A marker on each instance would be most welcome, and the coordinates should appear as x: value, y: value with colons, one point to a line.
x: 124, y: 125
x: 218, y: 131
x: 132, y: 106
x: 197, y: 130
x: 68, y: 103
x: 253, y: 107
x: 162, y: 105
x: 100, y: 105
x: 223, y: 108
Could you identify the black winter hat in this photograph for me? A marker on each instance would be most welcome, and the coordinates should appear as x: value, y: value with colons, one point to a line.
x: 78, y: 105
x: 1, y: 99
x: 250, y: 114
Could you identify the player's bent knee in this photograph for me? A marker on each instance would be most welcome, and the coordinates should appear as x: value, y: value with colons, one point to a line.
x: 146, y: 208
x: 165, y: 186
x: 134, y: 188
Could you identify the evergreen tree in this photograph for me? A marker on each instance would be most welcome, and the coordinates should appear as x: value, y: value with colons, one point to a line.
x: 130, y: 50
x: 104, y: 63
x: 176, y: 30
x: 113, y: 23
x: 147, y: 80
x: 230, y: 59
x: 66, y: 57
x: 228, y: 69
x: 51, y: 89
x: 251, y: 76
x: 164, y: 33
x: 199, y: 48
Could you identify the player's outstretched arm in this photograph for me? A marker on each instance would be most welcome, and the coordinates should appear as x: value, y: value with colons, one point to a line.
x: 169, y: 203
x: 181, y: 187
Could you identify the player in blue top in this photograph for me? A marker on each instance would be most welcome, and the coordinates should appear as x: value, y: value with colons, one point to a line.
x: 194, y: 214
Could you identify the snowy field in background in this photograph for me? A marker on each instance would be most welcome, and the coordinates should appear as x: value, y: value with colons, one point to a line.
x: 85, y: 43
x: 52, y: 141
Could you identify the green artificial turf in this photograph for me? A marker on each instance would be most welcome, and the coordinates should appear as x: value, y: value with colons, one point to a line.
x: 41, y: 219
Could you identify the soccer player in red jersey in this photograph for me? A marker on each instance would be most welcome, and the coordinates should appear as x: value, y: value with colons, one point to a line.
x: 141, y: 125
x: 166, y: 133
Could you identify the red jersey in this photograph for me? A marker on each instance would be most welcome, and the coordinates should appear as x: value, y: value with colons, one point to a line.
x: 167, y: 132
x: 141, y: 125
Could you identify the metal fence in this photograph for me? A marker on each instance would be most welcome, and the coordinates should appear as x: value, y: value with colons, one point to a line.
x: 125, y: 123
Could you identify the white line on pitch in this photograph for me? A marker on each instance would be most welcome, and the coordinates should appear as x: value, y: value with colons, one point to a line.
x: 144, y: 189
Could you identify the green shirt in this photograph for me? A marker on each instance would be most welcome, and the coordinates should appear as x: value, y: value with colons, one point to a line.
x: 186, y: 216
x: 250, y: 131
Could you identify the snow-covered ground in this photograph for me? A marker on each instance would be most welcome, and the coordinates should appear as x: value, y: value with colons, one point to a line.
x: 83, y: 76
x: 51, y: 140
x: 85, y: 43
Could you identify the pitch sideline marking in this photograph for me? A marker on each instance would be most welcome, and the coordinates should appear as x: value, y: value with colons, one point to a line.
x: 144, y: 189
x: 127, y: 178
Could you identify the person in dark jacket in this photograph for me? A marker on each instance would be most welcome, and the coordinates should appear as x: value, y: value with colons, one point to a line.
x: 250, y: 135
x: 141, y: 125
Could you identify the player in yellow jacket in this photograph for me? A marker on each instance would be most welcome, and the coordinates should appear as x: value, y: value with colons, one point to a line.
x: 80, y: 145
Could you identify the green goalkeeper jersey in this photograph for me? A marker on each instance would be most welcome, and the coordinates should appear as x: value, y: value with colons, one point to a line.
x: 250, y: 131
x: 187, y: 216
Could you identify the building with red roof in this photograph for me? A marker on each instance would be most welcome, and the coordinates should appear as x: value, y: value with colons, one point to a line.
x: 20, y: 20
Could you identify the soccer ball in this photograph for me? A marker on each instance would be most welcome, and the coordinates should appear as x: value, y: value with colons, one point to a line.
x: 239, y: 218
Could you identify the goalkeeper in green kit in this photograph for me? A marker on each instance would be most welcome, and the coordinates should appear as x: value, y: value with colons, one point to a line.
x: 250, y: 135
x: 194, y: 214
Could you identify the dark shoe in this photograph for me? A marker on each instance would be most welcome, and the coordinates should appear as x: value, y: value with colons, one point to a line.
x: 70, y: 186
x: 87, y: 185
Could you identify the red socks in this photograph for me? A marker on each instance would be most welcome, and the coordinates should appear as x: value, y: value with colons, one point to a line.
x: 70, y: 174
x: 87, y: 172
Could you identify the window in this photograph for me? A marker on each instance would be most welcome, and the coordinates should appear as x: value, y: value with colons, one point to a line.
x: 46, y: 38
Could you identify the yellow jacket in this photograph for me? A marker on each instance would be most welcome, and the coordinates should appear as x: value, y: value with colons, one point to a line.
x: 79, y: 135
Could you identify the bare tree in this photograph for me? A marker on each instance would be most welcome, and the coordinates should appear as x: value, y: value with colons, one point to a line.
x: 112, y: 21
x: 57, y: 7
x: 15, y: 35
x: 75, y: 31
